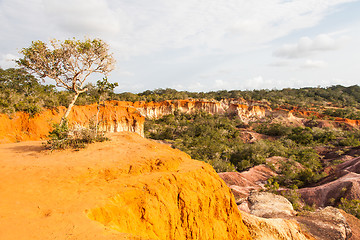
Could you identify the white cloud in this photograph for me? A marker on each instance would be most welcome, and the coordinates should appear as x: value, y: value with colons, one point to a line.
x: 136, y: 28
x: 219, y: 84
x: 196, y: 86
x: 125, y: 73
x: 307, y: 46
x: 313, y: 64
x: 83, y: 16
x: 279, y: 64
x: 187, y: 43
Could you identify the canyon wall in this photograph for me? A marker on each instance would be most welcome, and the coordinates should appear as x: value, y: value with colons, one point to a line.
x: 115, y: 116
x: 245, y: 111
x: 21, y: 126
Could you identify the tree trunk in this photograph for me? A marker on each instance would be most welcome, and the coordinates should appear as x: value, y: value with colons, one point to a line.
x: 68, y: 110
x: 97, y: 118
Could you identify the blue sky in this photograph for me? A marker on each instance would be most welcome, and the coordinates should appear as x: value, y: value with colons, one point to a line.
x: 200, y: 45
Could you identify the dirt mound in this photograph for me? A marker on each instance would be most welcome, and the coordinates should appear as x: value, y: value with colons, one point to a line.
x: 348, y: 186
x: 127, y: 188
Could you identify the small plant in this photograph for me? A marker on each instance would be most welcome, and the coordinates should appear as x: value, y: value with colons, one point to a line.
x: 63, y: 138
x: 294, y: 197
x: 272, y: 186
x: 350, y: 206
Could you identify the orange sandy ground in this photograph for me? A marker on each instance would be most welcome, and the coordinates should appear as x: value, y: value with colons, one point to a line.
x: 50, y: 195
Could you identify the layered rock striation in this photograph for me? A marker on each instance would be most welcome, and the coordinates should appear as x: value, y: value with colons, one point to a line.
x: 111, y: 117
x: 114, y: 116
x: 244, y: 110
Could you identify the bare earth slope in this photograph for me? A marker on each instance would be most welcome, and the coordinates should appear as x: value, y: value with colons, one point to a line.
x: 344, y: 182
x: 128, y: 188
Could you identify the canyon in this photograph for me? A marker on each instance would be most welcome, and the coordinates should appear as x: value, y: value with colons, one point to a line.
x: 134, y: 188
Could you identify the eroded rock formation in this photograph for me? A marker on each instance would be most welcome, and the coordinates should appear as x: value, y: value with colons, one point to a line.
x: 114, y: 116
x: 326, y: 224
x: 242, y: 110
x: 269, y: 205
x: 242, y: 183
x: 274, y: 229
x: 21, y: 126
x: 127, y: 188
x: 343, y: 183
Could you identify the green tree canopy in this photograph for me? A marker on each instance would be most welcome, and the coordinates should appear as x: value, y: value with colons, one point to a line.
x: 69, y: 63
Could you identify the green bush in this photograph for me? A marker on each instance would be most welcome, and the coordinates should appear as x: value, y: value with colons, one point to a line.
x: 63, y: 138
x: 206, y: 137
x: 350, y: 206
x: 275, y: 129
x: 349, y: 140
x: 301, y: 135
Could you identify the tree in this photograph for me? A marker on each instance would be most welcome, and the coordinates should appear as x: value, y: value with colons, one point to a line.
x: 69, y: 63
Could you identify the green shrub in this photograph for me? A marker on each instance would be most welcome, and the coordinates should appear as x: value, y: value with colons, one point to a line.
x: 301, y: 135
x: 350, y: 206
x: 275, y: 129
x: 63, y: 138
x: 349, y: 140
x: 294, y: 197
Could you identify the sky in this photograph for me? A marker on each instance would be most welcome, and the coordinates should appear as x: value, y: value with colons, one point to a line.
x: 200, y: 45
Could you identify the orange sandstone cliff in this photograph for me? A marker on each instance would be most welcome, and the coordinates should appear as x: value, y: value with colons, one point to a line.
x: 21, y: 126
x: 115, y: 116
x: 127, y: 188
x: 244, y: 111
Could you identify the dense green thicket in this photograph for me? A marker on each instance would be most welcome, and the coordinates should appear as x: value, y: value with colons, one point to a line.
x: 211, y: 138
x: 20, y: 91
x: 216, y: 139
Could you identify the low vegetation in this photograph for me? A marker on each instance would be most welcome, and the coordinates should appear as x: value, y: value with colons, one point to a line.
x: 217, y: 139
x: 64, y: 138
x: 350, y: 206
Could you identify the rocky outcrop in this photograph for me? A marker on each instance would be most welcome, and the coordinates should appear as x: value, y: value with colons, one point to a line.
x: 269, y: 205
x: 273, y: 215
x: 354, y: 224
x: 127, y: 188
x: 274, y: 229
x: 326, y: 224
x: 245, y: 112
x: 114, y: 116
x: 153, y: 110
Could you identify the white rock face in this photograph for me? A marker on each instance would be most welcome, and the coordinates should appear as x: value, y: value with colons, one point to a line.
x: 269, y: 205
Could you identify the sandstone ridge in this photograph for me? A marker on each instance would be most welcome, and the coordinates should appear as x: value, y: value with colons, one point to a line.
x: 115, y: 116
x: 112, y: 118
x: 127, y: 188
